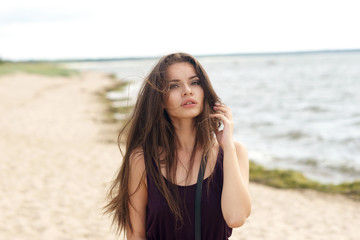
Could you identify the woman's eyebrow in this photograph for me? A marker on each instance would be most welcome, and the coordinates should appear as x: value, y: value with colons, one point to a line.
x: 193, y: 77
x: 177, y: 80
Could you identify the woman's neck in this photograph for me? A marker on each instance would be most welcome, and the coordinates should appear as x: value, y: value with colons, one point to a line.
x: 186, y: 134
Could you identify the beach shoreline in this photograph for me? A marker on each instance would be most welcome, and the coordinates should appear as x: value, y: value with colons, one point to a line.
x: 59, y: 154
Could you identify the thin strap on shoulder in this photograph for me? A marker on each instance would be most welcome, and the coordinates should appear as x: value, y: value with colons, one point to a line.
x: 198, y: 198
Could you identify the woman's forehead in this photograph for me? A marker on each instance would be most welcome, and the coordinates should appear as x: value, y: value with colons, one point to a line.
x: 180, y: 70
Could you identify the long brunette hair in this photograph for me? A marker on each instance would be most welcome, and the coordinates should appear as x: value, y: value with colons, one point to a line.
x: 149, y: 128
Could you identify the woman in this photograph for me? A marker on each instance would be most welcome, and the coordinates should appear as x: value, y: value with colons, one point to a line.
x: 173, y: 129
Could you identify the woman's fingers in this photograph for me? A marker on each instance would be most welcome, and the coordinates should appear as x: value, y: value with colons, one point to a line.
x: 223, y: 110
x: 220, y: 116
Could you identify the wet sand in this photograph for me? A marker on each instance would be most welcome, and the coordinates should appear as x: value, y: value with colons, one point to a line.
x: 58, y: 155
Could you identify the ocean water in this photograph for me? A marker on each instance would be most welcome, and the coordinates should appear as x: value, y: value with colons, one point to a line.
x: 291, y: 111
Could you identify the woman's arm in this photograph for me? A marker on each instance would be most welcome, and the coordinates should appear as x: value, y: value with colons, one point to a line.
x: 235, y: 198
x: 138, y: 196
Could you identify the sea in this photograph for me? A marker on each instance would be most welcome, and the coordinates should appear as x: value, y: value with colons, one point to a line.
x: 298, y: 111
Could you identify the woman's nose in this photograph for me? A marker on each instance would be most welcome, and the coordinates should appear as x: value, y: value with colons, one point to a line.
x: 187, y: 90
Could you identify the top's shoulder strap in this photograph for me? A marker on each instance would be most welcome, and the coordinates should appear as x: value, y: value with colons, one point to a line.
x: 198, y: 198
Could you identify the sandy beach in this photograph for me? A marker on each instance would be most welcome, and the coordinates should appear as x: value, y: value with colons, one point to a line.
x: 58, y: 154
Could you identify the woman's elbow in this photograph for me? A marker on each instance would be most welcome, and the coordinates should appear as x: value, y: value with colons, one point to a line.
x: 236, y: 222
x: 239, y: 219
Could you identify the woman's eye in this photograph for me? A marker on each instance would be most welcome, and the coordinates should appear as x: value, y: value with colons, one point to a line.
x: 197, y: 82
x: 172, y: 86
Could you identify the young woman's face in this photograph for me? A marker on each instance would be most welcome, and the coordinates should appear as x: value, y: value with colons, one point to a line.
x: 185, y: 97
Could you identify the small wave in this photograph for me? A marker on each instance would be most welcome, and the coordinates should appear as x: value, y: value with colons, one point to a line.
x: 316, y: 109
x: 260, y: 124
x: 271, y: 62
x: 356, y: 123
x: 293, y: 135
x: 309, y: 162
x: 343, y: 168
x: 350, y: 140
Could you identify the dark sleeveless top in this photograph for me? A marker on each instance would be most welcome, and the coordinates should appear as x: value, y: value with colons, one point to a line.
x: 161, y: 224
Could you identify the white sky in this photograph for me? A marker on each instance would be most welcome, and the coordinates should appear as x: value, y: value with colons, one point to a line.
x: 68, y: 29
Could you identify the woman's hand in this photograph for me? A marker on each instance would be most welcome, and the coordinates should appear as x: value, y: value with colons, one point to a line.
x: 224, y: 136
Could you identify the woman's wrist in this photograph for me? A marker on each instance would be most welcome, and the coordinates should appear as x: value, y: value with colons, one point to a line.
x: 229, y: 147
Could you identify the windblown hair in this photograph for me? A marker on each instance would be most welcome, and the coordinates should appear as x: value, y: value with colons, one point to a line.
x: 149, y: 128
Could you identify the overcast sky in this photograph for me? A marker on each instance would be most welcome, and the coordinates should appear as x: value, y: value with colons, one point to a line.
x: 71, y: 29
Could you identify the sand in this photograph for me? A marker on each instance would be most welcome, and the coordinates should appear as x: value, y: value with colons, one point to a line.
x: 58, y: 154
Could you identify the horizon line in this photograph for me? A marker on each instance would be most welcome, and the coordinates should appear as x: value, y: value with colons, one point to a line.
x: 104, y: 59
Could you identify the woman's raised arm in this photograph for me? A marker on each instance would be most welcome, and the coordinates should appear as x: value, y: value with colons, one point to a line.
x: 235, y: 198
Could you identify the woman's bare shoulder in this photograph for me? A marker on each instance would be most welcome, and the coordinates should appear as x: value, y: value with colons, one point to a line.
x: 137, y: 165
x: 137, y: 156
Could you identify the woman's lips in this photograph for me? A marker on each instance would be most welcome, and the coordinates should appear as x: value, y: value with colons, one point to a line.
x: 188, y: 103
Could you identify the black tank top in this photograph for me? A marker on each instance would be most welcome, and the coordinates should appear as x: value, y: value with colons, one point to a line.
x: 161, y: 223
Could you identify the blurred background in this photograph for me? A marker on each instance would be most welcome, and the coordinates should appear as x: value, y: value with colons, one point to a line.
x: 276, y: 63
x: 288, y: 69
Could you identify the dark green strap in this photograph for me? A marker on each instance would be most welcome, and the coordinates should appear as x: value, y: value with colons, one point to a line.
x: 198, y: 199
